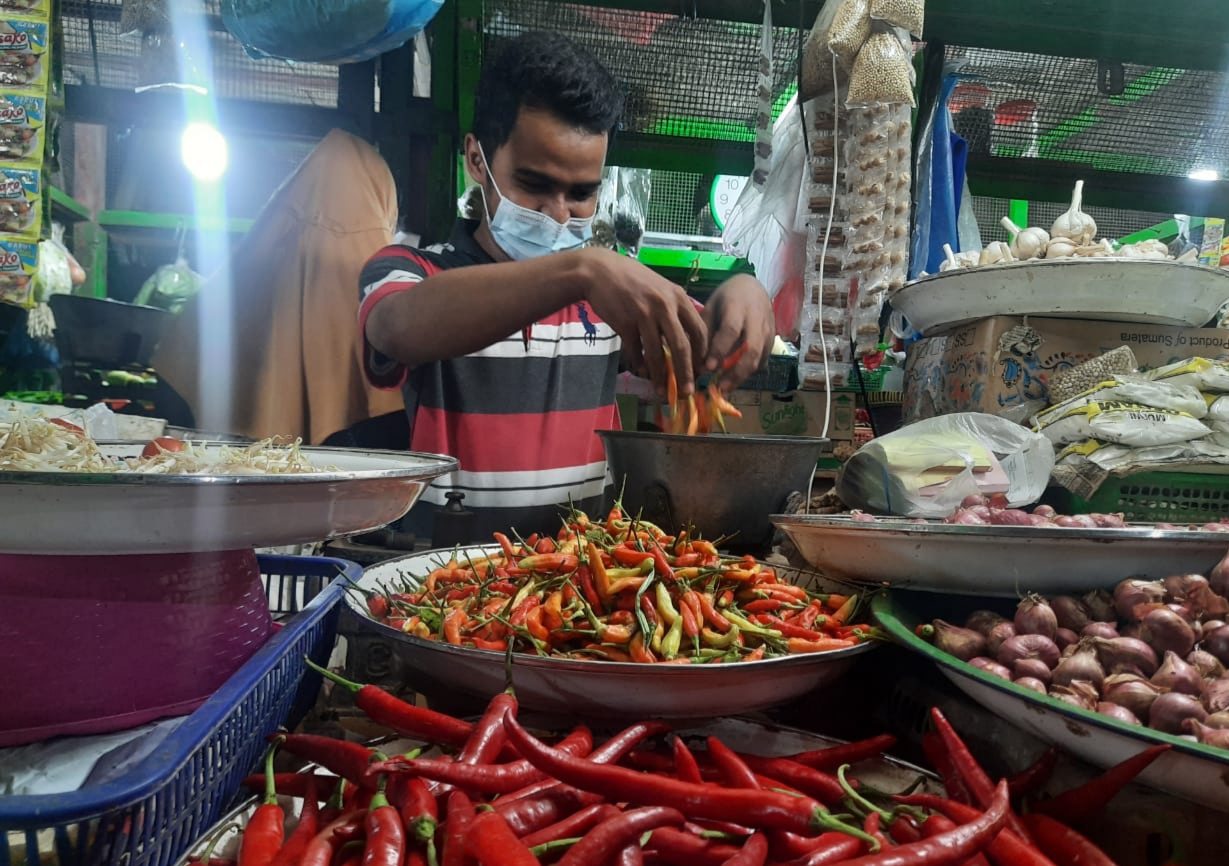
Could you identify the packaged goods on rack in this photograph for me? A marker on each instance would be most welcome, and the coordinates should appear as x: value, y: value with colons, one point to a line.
x: 22, y: 118
x: 18, y: 264
x: 39, y: 10
x: 21, y: 203
x: 24, y: 59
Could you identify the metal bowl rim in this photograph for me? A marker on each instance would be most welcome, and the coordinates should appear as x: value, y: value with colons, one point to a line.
x: 903, y: 526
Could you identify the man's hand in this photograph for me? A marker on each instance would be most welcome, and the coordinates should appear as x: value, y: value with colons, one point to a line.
x: 739, y: 312
x: 647, y: 310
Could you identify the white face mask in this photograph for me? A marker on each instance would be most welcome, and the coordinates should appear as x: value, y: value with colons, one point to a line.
x: 526, y: 234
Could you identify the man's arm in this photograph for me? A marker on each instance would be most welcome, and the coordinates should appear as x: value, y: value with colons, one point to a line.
x: 461, y: 310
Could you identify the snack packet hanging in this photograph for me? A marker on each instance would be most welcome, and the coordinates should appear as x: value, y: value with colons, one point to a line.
x: 24, y: 54
x: 22, y: 120
x: 18, y: 264
x: 21, y: 203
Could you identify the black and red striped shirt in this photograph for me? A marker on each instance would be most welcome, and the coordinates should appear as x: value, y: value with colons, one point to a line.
x: 519, y: 415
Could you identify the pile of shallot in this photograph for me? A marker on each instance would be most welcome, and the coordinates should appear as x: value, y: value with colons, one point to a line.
x: 993, y: 510
x: 1153, y: 652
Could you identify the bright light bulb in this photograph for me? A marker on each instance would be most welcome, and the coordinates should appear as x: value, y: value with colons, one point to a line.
x: 1204, y: 174
x: 204, y: 151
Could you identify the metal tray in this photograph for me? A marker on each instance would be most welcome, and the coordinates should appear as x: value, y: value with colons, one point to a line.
x: 744, y: 735
x: 996, y: 560
x: 597, y: 689
x: 1189, y: 770
x: 82, y: 513
x: 1109, y: 289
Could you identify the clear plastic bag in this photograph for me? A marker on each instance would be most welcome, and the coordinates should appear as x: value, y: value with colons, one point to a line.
x: 907, y: 14
x: 145, y: 16
x: 882, y: 73
x: 840, y: 28
x: 897, y: 473
x: 631, y: 208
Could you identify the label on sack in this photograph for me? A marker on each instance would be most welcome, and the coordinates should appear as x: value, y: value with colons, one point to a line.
x: 1201, y: 373
x: 1137, y: 390
x: 1120, y: 423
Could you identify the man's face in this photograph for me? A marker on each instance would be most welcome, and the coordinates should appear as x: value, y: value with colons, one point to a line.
x: 545, y: 165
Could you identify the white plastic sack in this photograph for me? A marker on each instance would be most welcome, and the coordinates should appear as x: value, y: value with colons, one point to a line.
x: 883, y: 477
x: 764, y: 217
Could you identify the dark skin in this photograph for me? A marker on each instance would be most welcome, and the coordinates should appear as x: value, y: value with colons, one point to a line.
x: 551, y: 167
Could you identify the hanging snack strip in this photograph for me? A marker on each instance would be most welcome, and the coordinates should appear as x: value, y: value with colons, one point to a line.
x: 25, y: 64
x: 860, y: 176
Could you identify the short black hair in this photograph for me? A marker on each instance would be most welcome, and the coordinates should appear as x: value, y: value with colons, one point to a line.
x: 546, y: 71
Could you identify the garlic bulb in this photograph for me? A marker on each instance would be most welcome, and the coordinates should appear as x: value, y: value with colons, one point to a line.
x: 996, y: 253
x: 1075, y: 224
x: 1060, y: 247
x: 1095, y: 251
x: 1027, y: 243
x: 952, y: 263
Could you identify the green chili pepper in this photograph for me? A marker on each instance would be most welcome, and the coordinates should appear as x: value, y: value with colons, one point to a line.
x: 749, y: 627
x: 665, y: 606
x: 716, y: 639
x: 673, y: 639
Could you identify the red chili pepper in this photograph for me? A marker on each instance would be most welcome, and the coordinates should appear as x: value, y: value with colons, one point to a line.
x: 610, y: 836
x: 332, y: 809
x: 838, y: 848
x: 491, y: 842
x: 975, y: 778
x: 713, y: 616
x: 937, y: 825
x: 459, y: 818
x: 309, y: 824
x: 405, y: 719
x: 419, y: 812
x: 762, y: 808
x: 321, y: 848
x: 660, y: 565
x: 350, y: 854
x: 630, y: 855
x: 484, y: 778
x: 1063, y: 845
x: 734, y: 771
x: 385, y: 833
x: 584, y: 577
x: 1086, y: 802
x: 348, y: 760
x: 552, y: 804
x: 573, y: 826
x: 952, y: 847
x: 938, y: 757
x: 812, y: 782
x: 848, y: 753
x: 904, y: 829
x: 685, y: 767
x: 754, y: 852
x: 762, y: 605
x: 685, y: 849
x: 266, y: 829
x: 488, y: 737
x: 510, y: 551
x: 1006, y: 849
x: 691, y: 623
x: 871, y: 828
x: 293, y: 784
x: 1030, y: 779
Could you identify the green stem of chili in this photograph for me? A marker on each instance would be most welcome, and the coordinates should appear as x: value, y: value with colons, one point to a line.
x: 539, y: 850
x: 856, y: 798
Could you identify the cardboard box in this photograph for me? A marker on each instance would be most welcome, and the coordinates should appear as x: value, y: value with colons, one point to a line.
x: 793, y: 413
x: 1002, y: 366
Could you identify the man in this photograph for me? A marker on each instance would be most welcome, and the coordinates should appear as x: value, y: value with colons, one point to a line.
x: 506, y: 340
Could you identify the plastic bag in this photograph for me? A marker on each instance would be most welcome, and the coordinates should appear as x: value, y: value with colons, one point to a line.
x: 170, y: 287
x: 881, y: 73
x: 631, y: 208
x: 840, y: 28
x: 145, y: 16
x: 767, y: 225
x: 907, y: 14
x: 326, y: 31
x: 896, y: 473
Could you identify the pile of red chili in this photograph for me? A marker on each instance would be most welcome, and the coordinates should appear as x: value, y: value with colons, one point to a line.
x: 499, y: 796
x: 619, y: 590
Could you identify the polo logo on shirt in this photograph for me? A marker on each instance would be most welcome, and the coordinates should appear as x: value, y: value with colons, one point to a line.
x: 590, y: 328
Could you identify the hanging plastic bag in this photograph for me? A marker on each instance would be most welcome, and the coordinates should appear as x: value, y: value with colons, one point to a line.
x: 928, y: 468
x: 767, y: 225
x: 326, y: 31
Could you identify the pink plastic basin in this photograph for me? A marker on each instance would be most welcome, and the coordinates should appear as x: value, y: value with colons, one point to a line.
x: 99, y: 644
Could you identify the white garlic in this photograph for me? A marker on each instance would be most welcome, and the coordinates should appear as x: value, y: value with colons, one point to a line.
x: 995, y: 253
x: 1060, y: 247
x: 1075, y: 224
x: 952, y: 263
x: 1029, y: 243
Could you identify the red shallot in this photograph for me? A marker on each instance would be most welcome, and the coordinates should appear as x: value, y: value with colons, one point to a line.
x: 1208, y: 665
x: 1070, y: 612
x: 1170, y: 712
x: 1105, y: 630
x: 981, y: 621
x: 1078, y: 693
x: 1218, y: 737
x: 1131, y: 595
x: 1035, y: 616
x: 1126, y: 655
x: 1166, y: 631
x: 1175, y: 675
x: 998, y: 635
x: 1028, y: 646
x: 990, y: 666
x: 1065, y: 638
x: 1034, y: 669
x: 1218, y: 577
x: 1117, y: 711
x: 1032, y: 683
x: 1216, y: 695
x: 1132, y: 692
x: 1217, y: 643
x: 1080, y: 665
x: 1100, y: 606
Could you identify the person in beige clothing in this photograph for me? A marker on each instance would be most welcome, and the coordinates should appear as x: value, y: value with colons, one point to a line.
x: 271, y: 347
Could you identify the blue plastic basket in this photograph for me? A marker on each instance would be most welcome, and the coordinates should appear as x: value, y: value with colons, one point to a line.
x: 164, y: 803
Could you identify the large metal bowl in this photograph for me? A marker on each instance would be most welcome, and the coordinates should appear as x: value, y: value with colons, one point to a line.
x: 721, y: 484
x: 593, y: 689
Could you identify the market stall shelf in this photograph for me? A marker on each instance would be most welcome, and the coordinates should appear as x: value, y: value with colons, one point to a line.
x: 1188, y: 770
x: 86, y: 513
x: 1005, y: 561
x: 595, y: 689
x: 1112, y: 290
